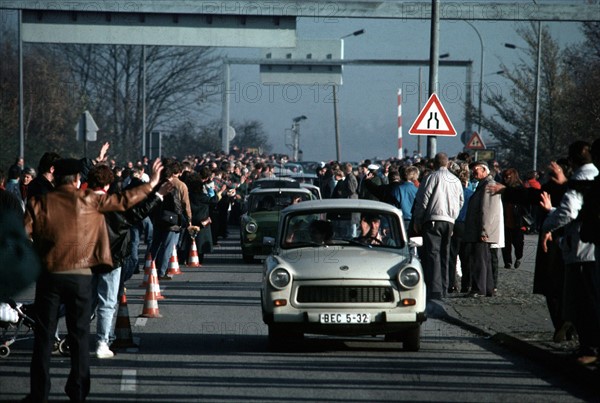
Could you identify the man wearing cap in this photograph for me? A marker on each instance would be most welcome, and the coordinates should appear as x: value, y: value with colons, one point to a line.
x: 482, y: 229
x: 436, y: 207
x: 370, y: 175
x: 69, y: 232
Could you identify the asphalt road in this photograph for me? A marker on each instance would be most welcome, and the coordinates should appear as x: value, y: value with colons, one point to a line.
x: 210, y: 346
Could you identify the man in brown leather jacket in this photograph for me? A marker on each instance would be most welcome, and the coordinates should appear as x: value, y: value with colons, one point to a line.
x: 69, y: 232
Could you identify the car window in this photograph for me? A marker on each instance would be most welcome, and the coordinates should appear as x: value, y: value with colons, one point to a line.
x: 275, y: 201
x: 368, y: 228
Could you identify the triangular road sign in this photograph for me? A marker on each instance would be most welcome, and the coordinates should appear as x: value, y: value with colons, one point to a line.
x: 433, y: 120
x: 475, y: 142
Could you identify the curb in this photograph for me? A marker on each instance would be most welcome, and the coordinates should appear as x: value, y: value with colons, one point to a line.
x: 585, y: 376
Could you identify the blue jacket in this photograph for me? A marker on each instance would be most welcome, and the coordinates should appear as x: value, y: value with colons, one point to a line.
x: 467, y: 192
x: 405, y: 194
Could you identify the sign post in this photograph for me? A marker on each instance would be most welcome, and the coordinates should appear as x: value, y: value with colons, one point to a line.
x: 86, y: 130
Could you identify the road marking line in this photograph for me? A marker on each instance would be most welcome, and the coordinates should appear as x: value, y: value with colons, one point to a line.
x: 128, y: 380
x: 141, y: 321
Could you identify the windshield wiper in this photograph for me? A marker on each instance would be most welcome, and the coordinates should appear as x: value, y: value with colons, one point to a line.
x: 357, y: 242
x: 306, y: 243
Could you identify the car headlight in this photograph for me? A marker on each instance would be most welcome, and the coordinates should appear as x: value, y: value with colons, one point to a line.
x: 251, y: 227
x: 409, y: 277
x: 279, y: 278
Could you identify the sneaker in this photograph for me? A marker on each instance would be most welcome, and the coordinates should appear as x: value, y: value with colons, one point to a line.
x: 102, y: 350
x: 166, y: 277
x: 517, y: 264
x: 508, y: 266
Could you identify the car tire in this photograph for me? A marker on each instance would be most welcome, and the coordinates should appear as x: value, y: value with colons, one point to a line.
x: 248, y: 258
x: 281, y: 339
x: 412, y: 339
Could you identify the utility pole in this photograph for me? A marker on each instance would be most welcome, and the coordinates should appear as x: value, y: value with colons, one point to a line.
x: 433, y: 70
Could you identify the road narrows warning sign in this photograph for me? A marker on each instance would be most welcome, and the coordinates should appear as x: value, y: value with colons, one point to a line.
x: 433, y: 120
x: 475, y: 142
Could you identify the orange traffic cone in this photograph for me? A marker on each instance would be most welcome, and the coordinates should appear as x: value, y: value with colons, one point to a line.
x: 148, y: 265
x: 173, y: 267
x: 124, y: 337
x: 151, y: 299
x: 193, y: 259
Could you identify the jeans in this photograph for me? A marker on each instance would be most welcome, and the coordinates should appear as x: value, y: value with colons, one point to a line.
x: 162, y: 249
x: 148, y: 230
x: 106, y: 290
x: 76, y: 291
x: 133, y: 259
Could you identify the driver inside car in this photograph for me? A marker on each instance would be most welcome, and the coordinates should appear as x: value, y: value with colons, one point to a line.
x: 370, y: 231
x: 321, y: 232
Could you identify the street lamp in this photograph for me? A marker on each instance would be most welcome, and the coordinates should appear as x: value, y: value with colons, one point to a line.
x: 536, y: 122
x: 296, y: 135
x: 480, y: 73
x: 442, y: 56
x: 338, y: 152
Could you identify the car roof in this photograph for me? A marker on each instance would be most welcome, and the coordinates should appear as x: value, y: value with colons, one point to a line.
x: 275, y: 183
x: 280, y: 190
x: 294, y: 175
x: 358, y: 204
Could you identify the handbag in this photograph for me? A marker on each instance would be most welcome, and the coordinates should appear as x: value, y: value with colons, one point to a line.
x: 169, y: 217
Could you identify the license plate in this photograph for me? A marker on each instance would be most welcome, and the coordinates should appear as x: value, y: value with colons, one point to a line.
x: 344, y: 318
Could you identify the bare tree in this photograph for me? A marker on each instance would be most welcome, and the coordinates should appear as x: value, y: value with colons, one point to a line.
x: 251, y: 134
x: 187, y: 140
x: 512, y: 124
x: 111, y: 86
x: 47, y: 108
x: 584, y: 71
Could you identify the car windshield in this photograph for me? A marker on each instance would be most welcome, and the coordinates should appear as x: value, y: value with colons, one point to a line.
x: 361, y: 228
x: 275, y: 201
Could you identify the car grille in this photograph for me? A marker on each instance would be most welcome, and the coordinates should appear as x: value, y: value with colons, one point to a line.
x: 342, y: 294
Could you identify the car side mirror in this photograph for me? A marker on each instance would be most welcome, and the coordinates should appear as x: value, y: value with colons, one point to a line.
x: 415, y: 242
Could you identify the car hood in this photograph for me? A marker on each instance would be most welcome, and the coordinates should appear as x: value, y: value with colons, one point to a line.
x: 341, y: 262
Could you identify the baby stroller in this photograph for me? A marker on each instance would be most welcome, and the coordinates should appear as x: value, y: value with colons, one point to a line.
x: 16, y: 324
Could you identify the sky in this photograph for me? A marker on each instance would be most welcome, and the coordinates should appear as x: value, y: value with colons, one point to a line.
x: 368, y: 97
x: 367, y: 100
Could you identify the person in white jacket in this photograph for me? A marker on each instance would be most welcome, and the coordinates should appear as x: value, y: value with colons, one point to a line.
x: 581, y: 276
x: 437, y: 205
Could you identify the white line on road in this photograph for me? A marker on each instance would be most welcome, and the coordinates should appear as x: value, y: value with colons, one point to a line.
x: 141, y: 321
x: 128, y: 380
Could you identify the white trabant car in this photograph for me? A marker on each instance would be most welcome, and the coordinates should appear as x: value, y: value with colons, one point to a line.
x: 343, y: 267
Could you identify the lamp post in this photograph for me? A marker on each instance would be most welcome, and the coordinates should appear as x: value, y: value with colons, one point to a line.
x: 536, y: 121
x: 21, y: 110
x: 338, y: 152
x: 442, y: 56
x: 296, y: 135
x: 434, y: 52
x: 480, y: 97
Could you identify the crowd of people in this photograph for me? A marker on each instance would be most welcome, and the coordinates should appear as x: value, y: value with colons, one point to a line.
x: 464, y: 210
